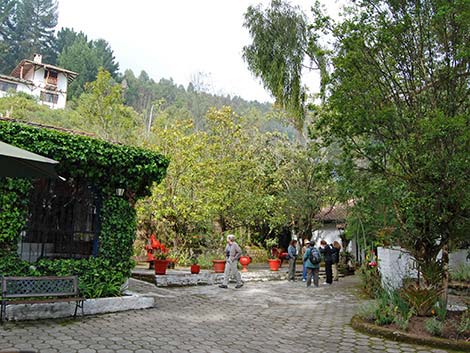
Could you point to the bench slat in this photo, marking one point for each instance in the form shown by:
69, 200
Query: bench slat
51, 289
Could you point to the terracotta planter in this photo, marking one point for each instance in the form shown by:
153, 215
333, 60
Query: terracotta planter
244, 261
274, 264
160, 266
195, 269
219, 266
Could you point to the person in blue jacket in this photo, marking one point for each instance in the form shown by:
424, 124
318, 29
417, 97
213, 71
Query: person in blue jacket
313, 267
292, 257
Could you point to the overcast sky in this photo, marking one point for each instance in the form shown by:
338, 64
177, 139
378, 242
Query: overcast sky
175, 38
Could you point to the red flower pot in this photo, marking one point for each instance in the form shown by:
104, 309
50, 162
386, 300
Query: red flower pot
195, 269
244, 261
274, 264
219, 266
160, 266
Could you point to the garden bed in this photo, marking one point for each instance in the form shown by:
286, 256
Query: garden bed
417, 333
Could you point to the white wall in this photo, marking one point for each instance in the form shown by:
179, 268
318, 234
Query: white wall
395, 265
329, 232
37, 77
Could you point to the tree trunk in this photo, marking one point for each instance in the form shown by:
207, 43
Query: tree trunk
445, 273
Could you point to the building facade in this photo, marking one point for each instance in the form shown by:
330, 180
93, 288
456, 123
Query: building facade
46, 82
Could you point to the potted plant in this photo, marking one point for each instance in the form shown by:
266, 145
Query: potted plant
273, 254
245, 261
219, 266
195, 267
160, 258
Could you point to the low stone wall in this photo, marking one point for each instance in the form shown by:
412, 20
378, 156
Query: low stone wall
90, 307
179, 278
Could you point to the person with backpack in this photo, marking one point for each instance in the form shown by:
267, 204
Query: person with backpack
336, 246
327, 252
312, 263
292, 258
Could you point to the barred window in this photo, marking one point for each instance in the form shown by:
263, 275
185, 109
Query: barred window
49, 97
63, 221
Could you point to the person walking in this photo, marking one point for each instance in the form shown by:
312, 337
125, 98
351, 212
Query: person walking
336, 247
292, 258
312, 263
232, 255
327, 252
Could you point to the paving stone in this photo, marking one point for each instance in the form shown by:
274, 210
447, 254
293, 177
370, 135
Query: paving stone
263, 317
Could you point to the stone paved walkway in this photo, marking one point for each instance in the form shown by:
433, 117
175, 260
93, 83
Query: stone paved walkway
271, 317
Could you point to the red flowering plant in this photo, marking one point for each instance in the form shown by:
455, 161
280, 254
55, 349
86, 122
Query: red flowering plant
156, 250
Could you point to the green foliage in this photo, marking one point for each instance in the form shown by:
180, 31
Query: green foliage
26, 27
280, 40
390, 110
13, 211
205, 259
370, 280
421, 299
440, 309
231, 177
11, 265
461, 273
98, 277
102, 111
434, 326
117, 231
388, 307
26, 108
102, 163
385, 313
77, 53
464, 324
383, 113
107, 166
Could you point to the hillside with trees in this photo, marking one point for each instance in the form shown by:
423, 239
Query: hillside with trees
238, 166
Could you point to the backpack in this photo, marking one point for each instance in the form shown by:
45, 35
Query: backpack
314, 257
334, 254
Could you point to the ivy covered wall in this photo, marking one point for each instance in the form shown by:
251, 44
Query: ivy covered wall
105, 165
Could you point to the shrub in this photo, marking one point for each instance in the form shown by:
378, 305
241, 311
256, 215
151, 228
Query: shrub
461, 273
368, 311
370, 280
98, 277
421, 299
12, 265
434, 326
464, 325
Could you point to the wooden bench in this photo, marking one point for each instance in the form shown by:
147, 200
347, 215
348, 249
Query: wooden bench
37, 290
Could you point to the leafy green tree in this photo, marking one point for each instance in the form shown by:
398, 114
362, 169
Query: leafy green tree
103, 112
397, 105
66, 37
35, 22
105, 56
85, 57
307, 184
7, 8
79, 57
279, 42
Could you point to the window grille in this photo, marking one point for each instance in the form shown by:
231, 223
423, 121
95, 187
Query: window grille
63, 221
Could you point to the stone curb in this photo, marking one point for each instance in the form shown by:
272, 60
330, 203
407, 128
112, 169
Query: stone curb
365, 327
22, 312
